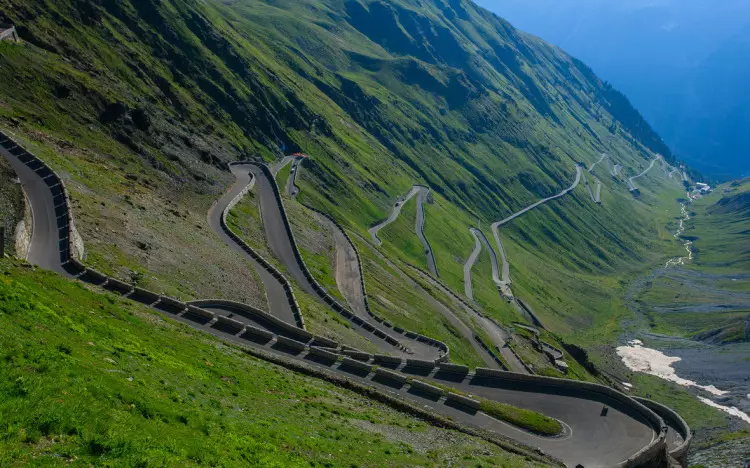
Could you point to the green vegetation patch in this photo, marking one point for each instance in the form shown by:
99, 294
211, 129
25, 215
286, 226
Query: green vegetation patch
316, 244
530, 420
400, 239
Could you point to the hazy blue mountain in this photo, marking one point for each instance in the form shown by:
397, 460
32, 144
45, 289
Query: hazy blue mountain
683, 63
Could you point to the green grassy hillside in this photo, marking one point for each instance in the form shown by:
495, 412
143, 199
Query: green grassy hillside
139, 104
720, 227
91, 378
707, 298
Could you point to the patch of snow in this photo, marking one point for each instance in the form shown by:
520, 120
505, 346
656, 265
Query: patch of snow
727, 409
654, 362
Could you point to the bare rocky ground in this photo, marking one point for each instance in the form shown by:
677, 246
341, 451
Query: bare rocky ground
11, 204
700, 317
735, 453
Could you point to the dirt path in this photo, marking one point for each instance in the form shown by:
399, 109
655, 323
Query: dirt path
348, 278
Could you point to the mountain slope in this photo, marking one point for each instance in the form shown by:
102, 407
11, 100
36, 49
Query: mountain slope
682, 63
140, 104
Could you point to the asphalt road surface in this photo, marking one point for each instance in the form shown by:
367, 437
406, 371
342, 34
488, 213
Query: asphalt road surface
590, 190
495, 226
591, 439
282, 247
278, 303
631, 184
393, 216
480, 239
422, 193
44, 250
291, 184
468, 288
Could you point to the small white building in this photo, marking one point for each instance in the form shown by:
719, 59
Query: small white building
703, 188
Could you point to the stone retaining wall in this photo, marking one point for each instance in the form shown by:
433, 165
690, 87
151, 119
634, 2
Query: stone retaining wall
347, 361
358, 355
198, 312
8, 33
385, 359
453, 368
389, 374
259, 332
421, 363
324, 353
668, 414
425, 387
294, 344
229, 322
298, 333
642, 457
491, 352
464, 401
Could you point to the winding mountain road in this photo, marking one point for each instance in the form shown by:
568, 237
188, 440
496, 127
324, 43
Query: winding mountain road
395, 212
597, 198
631, 184
506, 281
422, 193
479, 240
419, 229
279, 238
589, 189
347, 272
592, 438
291, 184
350, 282
468, 287
44, 249
278, 303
